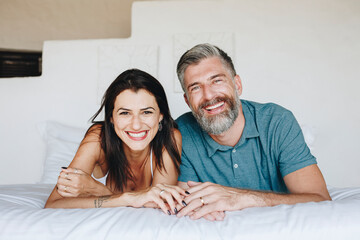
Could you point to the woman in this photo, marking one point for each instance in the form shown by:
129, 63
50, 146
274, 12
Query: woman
137, 147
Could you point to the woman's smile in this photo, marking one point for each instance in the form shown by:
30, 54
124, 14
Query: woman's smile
137, 136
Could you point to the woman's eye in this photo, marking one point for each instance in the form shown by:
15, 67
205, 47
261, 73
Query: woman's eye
124, 113
148, 112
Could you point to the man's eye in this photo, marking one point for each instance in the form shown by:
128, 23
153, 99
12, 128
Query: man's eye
217, 80
194, 88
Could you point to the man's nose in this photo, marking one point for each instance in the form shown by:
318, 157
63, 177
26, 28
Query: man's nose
208, 92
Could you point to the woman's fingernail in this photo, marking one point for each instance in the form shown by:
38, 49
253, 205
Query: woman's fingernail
187, 192
169, 212
64, 167
184, 203
175, 211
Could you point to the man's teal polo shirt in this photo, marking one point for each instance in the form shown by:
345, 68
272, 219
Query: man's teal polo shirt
271, 146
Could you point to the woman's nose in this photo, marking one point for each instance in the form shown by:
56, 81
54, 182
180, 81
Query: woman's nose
136, 123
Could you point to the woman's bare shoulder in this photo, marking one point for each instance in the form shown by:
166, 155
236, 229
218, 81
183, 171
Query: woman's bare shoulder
91, 144
90, 151
177, 134
93, 133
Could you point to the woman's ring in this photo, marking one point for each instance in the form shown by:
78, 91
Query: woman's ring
202, 201
76, 171
162, 191
66, 176
65, 188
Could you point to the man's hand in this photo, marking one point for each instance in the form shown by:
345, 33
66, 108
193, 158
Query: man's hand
305, 185
215, 216
210, 200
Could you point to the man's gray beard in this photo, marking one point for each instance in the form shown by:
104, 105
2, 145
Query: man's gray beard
221, 122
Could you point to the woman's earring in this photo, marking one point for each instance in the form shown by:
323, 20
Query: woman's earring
160, 126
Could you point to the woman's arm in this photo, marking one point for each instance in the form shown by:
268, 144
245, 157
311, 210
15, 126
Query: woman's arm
168, 176
127, 199
73, 182
156, 195
76, 181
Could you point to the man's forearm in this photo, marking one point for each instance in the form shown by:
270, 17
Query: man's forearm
205, 198
250, 198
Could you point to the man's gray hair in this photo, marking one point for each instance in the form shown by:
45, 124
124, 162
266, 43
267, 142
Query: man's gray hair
198, 53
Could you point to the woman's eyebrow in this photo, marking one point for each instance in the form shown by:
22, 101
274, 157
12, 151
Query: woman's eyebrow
147, 108
123, 109
142, 109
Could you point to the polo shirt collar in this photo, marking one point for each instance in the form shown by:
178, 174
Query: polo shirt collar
250, 131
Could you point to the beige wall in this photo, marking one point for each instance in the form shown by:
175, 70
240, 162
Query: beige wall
25, 24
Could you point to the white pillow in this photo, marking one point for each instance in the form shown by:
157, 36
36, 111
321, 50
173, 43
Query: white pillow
62, 142
309, 135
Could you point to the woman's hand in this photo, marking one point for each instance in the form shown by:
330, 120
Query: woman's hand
167, 197
74, 182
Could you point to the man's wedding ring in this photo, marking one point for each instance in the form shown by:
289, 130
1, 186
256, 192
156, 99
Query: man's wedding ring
162, 191
202, 201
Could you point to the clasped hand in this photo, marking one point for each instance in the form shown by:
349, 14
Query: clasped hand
74, 182
209, 200
205, 200
168, 198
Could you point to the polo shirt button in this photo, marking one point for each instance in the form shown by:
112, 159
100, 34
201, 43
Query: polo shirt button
236, 166
234, 151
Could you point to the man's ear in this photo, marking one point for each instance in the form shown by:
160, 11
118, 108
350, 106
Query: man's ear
186, 99
238, 84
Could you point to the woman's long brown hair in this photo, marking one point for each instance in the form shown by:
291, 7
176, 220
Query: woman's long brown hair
119, 169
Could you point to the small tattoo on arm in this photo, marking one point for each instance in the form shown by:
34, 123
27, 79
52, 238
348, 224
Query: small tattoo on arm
99, 202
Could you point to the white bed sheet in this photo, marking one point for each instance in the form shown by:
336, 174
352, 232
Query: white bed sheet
22, 217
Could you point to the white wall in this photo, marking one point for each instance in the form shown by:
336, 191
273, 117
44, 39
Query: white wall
303, 55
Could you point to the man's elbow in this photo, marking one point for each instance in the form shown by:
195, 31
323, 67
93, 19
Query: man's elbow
322, 197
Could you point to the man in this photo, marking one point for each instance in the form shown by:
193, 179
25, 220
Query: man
236, 153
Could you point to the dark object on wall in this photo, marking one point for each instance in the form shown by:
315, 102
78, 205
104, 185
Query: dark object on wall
20, 63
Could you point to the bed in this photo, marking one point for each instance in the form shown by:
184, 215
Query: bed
22, 215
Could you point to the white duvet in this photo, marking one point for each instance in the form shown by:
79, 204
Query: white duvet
22, 217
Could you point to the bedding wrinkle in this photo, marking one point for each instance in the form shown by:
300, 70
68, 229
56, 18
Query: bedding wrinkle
21, 214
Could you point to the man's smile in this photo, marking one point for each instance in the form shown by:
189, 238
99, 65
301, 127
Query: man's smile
214, 106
